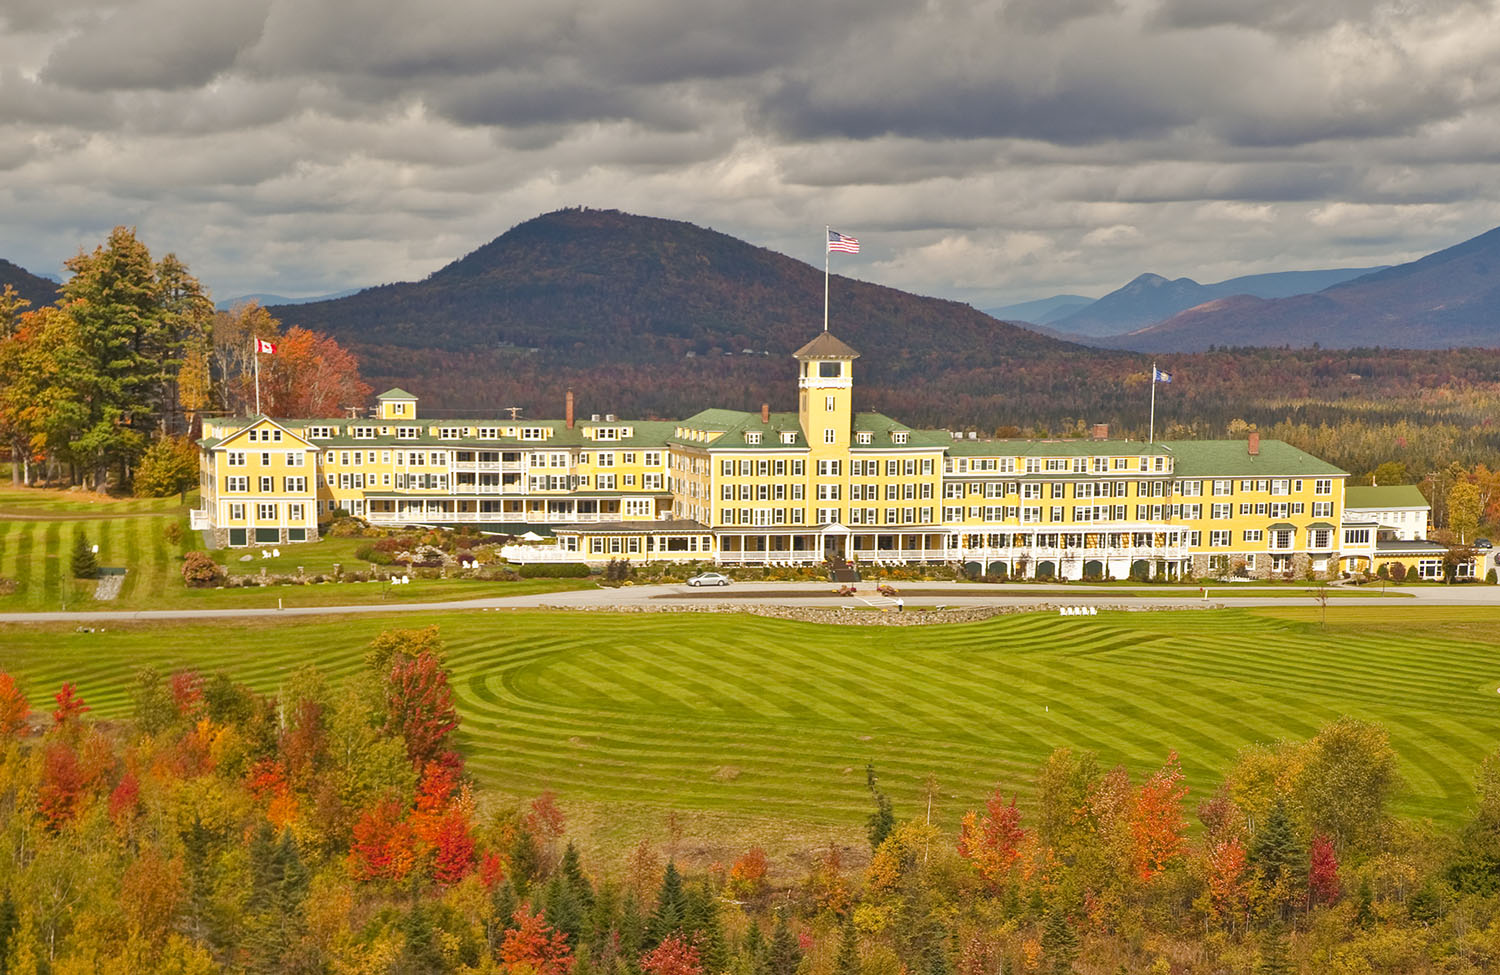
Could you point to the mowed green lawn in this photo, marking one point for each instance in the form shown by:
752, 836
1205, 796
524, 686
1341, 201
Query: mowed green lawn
734, 714
38, 529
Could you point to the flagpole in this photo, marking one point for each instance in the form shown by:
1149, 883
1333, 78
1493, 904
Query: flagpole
1151, 437
826, 231
256, 346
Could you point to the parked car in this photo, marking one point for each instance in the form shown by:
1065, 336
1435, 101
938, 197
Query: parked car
1483, 543
709, 579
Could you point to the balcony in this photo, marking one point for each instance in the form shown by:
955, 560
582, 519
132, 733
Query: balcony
199, 520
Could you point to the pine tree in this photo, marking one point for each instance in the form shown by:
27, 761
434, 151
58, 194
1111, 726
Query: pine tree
785, 954
847, 962
701, 924
571, 868
503, 903
562, 910
883, 819
10, 923
525, 860
632, 928
671, 908
1273, 960
1059, 942
84, 563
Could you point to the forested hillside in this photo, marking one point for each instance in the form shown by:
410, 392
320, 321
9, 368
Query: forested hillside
603, 286
37, 290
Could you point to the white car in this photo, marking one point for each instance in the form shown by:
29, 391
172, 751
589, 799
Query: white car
709, 579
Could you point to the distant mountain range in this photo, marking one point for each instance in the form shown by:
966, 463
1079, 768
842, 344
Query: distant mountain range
1042, 311
1151, 298
260, 298
1445, 300
37, 290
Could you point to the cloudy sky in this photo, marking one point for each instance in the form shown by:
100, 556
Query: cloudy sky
989, 150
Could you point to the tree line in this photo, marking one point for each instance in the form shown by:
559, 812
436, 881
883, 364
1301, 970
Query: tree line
104, 387
332, 827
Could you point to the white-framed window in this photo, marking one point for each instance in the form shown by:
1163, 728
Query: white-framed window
533, 433
265, 511
235, 458
863, 436
1323, 485
788, 436
1219, 538
606, 459
830, 435
899, 436
1253, 535
408, 433
830, 403
1322, 509
1223, 488
605, 482
295, 512
295, 485
1222, 511
237, 511
295, 458
267, 484
752, 436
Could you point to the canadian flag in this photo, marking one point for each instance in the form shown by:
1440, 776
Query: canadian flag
261, 345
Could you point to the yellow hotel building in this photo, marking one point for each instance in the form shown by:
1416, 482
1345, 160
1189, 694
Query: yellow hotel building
825, 483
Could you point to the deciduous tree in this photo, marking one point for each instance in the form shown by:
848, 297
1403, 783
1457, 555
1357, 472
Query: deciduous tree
992, 843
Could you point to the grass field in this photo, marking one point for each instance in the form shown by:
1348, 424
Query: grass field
38, 528
775, 719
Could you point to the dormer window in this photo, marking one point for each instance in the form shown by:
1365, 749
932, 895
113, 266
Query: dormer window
863, 436
752, 436
788, 437
898, 436
408, 433
364, 433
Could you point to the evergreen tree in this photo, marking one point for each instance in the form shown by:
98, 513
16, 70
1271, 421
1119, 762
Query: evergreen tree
785, 954
279, 882
671, 908
1273, 960
847, 962
883, 819
85, 564
503, 903
753, 950
562, 909
701, 924
1059, 942
1280, 861
420, 952
571, 869
632, 928
10, 923
525, 861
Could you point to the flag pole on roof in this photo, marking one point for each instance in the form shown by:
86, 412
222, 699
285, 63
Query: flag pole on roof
842, 243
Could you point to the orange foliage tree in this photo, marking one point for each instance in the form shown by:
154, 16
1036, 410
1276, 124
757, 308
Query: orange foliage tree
533, 948
1157, 824
992, 844
14, 708
310, 375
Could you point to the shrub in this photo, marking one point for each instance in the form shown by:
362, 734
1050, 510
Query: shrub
1398, 571
1384, 572
84, 563
554, 570
172, 533
618, 570
1490, 577
199, 570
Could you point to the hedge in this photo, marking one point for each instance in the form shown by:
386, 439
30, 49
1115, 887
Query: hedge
554, 570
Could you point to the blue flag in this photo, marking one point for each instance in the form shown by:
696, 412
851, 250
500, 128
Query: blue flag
1157, 376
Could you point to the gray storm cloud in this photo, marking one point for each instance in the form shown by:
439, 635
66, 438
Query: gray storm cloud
990, 150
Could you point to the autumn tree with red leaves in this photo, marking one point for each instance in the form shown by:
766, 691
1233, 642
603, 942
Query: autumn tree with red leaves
1158, 826
419, 708
533, 948
14, 708
383, 847
747, 876
675, 955
1322, 872
70, 706
992, 844
62, 787
1226, 862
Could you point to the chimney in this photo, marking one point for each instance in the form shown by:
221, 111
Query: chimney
765, 412
568, 409
1101, 431
1254, 443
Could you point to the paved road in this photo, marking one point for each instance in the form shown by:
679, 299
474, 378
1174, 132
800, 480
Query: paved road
812, 595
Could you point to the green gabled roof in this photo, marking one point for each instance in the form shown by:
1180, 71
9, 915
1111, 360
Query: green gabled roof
396, 393
734, 424
1388, 496
1052, 448
715, 419
1232, 458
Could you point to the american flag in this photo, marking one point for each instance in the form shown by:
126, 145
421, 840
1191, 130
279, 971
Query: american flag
842, 243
